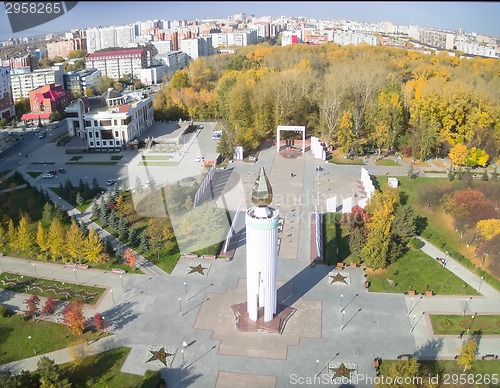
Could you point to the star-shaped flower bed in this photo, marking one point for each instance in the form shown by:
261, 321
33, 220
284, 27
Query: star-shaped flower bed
202, 269
343, 372
161, 356
339, 277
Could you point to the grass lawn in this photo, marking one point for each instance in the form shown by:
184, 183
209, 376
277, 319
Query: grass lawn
46, 285
103, 370
166, 157
415, 271
387, 162
482, 368
167, 258
342, 160
456, 324
75, 158
45, 337
157, 164
439, 226
34, 174
110, 163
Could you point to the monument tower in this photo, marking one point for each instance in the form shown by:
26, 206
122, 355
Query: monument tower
262, 251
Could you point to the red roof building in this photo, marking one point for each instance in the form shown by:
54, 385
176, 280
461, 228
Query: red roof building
46, 100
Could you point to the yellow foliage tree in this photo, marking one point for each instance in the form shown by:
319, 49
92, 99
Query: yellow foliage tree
487, 229
459, 154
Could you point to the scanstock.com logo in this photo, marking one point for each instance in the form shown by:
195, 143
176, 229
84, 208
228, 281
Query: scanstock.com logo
24, 15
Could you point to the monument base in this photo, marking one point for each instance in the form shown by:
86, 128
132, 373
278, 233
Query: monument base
275, 325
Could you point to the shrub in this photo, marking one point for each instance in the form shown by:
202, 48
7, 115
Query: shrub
415, 243
446, 323
4, 311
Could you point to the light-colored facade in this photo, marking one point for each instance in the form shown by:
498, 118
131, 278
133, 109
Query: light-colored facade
7, 109
64, 47
116, 64
197, 47
111, 121
154, 75
24, 81
175, 60
354, 38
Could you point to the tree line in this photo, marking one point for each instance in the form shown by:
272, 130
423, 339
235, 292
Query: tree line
353, 97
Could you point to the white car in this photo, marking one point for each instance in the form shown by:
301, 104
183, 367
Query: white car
48, 176
199, 158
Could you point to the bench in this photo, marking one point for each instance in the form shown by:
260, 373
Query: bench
72, 265
490, 357
208, 257
411, 292
117, 270
83, 266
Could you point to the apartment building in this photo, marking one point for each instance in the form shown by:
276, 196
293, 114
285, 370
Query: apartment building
197, 47
64, 47
116, 64
7, 110
76, 82
111, 121
21, 62
24, 80
436, 38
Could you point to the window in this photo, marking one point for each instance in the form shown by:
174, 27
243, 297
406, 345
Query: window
116, 134
105, 123
88, 123
91, 143
91, 134
104, 142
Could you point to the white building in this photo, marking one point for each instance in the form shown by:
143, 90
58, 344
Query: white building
175, 60
7, 109
111, 121
154, 75
262, 251
197, 47
116, 64
99, 38
345, 38
24, 81
161, 47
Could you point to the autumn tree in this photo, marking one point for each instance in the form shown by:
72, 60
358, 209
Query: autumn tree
25, 237
56, 239
477, 157
31, 306
75, 240
467, 354
406, 371
459, 154
488, 229
381, 210
93, 247
41, 240
73, 316
12, 235
100, 323
130, 257
49, 307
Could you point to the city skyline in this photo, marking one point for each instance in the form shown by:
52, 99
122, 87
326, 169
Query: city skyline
478, 17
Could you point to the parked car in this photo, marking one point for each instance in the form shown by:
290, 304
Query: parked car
53, 172
199, 158
110, 182
62, 170
48, 176
42, 135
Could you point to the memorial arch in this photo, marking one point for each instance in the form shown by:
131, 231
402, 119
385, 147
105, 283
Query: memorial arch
292, 128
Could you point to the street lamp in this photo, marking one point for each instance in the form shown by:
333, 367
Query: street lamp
112, 297
76, 279
185, 289
341, 296
317, 366
467, 303
34, 351
411, 304
471, 322
36, 272
180, 308
342, 324
121, 280
413, 323
480, 283
183, 359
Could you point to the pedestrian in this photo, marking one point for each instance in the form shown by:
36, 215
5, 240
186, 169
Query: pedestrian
291, 174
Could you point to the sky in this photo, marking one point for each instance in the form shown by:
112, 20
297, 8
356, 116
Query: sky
479, 17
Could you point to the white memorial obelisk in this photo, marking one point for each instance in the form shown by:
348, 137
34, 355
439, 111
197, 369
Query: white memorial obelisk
262, 251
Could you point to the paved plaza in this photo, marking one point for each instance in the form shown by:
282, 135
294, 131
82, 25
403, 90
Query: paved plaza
333, 323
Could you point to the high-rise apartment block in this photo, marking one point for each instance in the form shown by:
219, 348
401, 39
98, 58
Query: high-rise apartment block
7, 109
